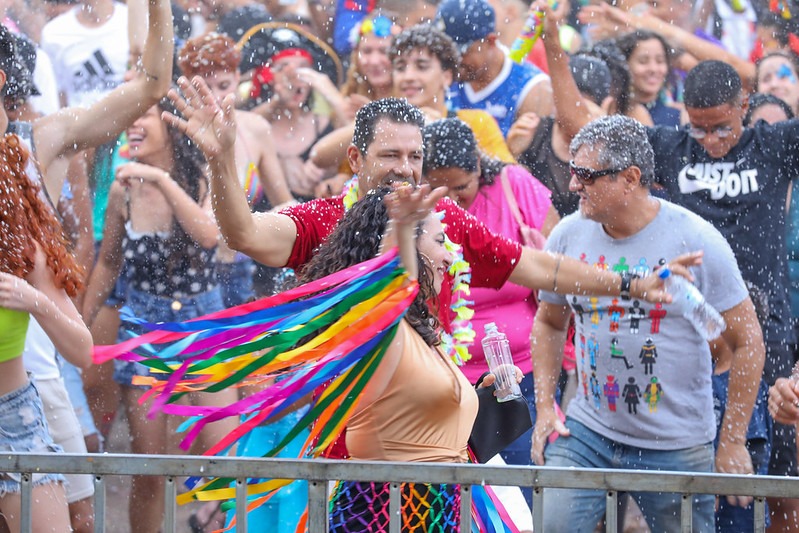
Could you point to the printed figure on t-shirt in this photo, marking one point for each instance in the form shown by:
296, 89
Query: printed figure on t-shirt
578, 309
596, 391
648, 356
636, 315
652, 394
596, 312
593, 350
616, 313
601, 264
632, 396
612, 392
584, 381
641, 269
657, 314
583, 348
621, 266
617, 353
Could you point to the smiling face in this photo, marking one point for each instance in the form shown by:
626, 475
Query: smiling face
648, 67
462, 185
394, 156
373, 61
419, 78
432, 249
147, 135
776, 75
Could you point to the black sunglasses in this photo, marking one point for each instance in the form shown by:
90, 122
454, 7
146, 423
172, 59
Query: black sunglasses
589, 175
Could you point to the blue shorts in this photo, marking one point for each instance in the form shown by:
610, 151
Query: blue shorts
580, 510
23, 428
159, 309
235, 281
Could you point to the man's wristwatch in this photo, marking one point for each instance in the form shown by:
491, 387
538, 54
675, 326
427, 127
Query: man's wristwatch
626, 283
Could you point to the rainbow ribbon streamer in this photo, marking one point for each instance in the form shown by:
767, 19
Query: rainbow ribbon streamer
326, 338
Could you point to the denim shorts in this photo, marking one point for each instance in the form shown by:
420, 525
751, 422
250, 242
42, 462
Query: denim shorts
580, 510
235, 281
23, 428
158, 309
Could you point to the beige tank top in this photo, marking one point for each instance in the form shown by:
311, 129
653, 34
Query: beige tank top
425, 414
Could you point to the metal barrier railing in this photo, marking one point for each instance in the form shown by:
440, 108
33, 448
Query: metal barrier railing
318, 472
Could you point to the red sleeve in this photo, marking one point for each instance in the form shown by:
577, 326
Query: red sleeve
315, 220
491, 256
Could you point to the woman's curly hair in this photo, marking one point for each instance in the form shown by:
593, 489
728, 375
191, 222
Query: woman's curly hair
25, 219
357, 239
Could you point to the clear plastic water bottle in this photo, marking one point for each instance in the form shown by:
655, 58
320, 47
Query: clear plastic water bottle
690, 302
500, 363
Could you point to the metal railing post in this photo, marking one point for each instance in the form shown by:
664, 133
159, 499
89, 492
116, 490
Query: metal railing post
686, 513
241, 505
170, 511
612, 512
394, 507
26, 505
317, 505
466, 506
99, 504
538, 509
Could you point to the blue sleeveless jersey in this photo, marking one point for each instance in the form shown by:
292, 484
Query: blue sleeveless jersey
502, 97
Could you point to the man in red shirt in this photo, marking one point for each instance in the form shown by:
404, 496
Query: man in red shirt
386, 148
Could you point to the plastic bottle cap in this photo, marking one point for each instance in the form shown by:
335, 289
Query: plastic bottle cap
489, 326
664, 273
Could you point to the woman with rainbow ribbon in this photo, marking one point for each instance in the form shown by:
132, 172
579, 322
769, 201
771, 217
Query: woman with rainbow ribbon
360, 338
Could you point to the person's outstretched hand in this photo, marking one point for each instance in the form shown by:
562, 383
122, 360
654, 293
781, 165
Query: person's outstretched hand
652, 288
408, 205
210, 124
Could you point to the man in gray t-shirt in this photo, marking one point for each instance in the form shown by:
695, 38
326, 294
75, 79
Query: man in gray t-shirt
644, 399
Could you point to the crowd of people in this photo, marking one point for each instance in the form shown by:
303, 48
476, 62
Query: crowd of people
224, 152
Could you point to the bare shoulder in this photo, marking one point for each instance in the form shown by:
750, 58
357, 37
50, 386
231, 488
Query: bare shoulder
40, 270
252, 124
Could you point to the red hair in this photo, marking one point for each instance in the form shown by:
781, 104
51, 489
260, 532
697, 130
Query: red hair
208, 53
25, 219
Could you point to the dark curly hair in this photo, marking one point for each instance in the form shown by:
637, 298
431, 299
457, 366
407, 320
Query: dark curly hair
188, 171
427, 37
450, 143
357, 239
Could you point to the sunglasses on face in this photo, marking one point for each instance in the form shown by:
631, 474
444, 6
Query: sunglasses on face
589, 175
700, 133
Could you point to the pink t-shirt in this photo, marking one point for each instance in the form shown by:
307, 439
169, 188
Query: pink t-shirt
511, 307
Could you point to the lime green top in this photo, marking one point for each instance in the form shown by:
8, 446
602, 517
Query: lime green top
13, 327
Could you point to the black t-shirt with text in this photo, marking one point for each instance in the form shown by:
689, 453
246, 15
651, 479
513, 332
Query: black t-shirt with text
743, 194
